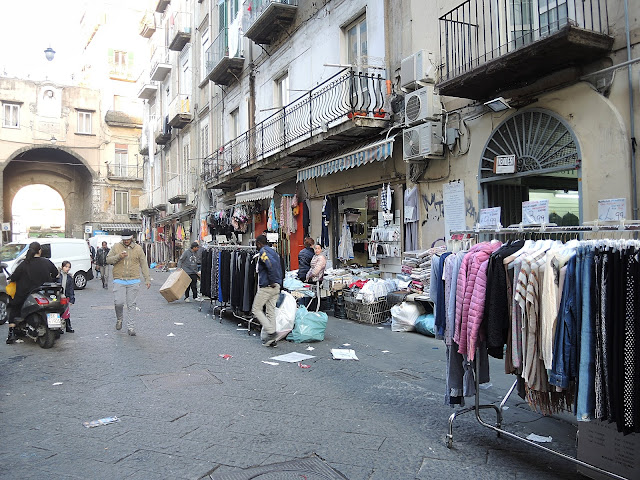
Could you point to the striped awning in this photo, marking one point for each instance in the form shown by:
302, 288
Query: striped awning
256, 194
375, 151
134, 227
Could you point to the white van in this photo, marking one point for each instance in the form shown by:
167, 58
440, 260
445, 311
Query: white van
57, 250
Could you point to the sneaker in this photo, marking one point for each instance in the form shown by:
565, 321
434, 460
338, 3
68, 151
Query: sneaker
271, 341
187, 300
11, 339
131, 332
118, 324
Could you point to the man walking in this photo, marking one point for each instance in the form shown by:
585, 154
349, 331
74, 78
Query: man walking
101, 262
128, 260
269, 281
189, 263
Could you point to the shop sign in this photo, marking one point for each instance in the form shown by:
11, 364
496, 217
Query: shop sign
504, 164
489, 217
535, 212
221, 239
612, 209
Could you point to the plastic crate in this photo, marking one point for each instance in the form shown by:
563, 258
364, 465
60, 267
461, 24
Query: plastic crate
371, 313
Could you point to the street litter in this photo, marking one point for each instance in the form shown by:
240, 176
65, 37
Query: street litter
385, 351
226, 356
538, 438
242, 329
343, 354
310, 348
57, 383
505, 408
293, 357
102, 421
302, 365
486, 386
380, 328
171, 335
19, 341
346, 344
178, 323
270, 363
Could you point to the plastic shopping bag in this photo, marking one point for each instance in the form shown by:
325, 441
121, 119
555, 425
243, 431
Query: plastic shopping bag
426, 325
310, 326
404, 316
285, 315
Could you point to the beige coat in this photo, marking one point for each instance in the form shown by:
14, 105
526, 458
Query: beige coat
129, 267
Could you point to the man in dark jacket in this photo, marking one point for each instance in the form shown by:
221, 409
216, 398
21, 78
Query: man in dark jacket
189, 263
269, 281
101, 263
304, 258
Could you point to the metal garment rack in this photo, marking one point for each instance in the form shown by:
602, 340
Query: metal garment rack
224, 306
622, 227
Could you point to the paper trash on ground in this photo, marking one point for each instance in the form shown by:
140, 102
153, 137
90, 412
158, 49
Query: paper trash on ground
343, 354
385, 351
311, 349
538, 438
171, 335
293, 357
57, 383
102, 421
270, 363
346, 344
178, 323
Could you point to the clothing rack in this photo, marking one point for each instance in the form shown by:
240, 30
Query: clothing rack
225, 306
594, 227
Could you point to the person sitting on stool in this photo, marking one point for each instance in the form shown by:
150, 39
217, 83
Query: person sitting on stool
316, 268
304, 258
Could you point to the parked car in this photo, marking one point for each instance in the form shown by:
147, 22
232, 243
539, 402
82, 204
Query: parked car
57, 250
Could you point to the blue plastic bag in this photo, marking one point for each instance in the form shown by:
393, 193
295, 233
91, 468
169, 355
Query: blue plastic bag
425, 324
309, 327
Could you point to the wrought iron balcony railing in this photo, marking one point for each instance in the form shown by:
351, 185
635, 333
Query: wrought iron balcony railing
117, 170
478, 31
266, 18
226, 46
345, 96
178, 30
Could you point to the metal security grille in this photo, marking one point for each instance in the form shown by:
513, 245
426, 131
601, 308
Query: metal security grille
541, 142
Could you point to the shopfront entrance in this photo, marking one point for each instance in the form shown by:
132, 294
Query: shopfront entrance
546, 166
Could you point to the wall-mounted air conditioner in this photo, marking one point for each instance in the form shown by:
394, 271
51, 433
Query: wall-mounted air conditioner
416, 70
421, 105
422, 141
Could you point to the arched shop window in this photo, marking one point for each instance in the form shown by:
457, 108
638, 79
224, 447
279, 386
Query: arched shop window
547, 165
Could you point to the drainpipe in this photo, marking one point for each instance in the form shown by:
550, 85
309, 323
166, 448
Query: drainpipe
632, 125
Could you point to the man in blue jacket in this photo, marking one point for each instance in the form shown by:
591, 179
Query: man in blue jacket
269, 281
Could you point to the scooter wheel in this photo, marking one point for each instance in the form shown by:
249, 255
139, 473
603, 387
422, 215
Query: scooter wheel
47, 340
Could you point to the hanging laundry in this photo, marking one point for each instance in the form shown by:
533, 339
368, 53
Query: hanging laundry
345, 247
326, 215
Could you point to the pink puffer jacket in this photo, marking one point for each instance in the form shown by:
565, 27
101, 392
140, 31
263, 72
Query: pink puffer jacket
461, 285
474, 297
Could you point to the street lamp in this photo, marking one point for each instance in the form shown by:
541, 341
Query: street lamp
49, 53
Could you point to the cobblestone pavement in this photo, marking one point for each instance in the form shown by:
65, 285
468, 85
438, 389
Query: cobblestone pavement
187, 413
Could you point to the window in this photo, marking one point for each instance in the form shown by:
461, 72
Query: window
121, 161
357, 42
84, 122
204, 139
122, 202
282, 91
11, 115
206, 41
235, 123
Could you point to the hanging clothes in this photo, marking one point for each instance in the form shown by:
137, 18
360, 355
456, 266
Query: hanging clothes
411, 219
306, 220
326, 216
345, 246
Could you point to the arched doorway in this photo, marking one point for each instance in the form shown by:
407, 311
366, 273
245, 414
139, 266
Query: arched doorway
547, 167
37, 211
59, 169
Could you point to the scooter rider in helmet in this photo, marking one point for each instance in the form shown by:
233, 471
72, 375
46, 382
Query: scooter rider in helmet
31, 273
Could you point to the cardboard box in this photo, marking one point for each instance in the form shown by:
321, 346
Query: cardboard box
175, 286
601, 445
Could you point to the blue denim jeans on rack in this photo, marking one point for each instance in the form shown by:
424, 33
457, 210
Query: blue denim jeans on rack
586, 371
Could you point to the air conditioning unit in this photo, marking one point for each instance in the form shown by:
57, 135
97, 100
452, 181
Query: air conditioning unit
422, 141
421, 105
417, 69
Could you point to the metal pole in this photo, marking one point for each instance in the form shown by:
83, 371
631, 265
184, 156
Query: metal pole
632, 125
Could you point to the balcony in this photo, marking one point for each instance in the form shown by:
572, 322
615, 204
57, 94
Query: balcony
146, 207
162, 5
177, 188
347, 108
122, 71
224, 58
147, 25
160, 64
486, 49
180, 111
143, 144
268, 18
123, 172
178, 30
147, 90
163, 132
159, 199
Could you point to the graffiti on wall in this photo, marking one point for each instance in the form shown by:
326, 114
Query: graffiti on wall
434, 208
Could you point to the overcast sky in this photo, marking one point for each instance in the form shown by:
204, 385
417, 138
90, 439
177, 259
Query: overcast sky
29, 27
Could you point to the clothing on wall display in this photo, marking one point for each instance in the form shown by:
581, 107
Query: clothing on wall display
411, 218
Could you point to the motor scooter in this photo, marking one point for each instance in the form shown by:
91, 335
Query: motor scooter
7, 291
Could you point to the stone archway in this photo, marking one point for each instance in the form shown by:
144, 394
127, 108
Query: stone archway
58, 168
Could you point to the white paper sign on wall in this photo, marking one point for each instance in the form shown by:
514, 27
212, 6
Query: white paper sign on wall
612, 209
535, 212
6, 227
88, 229
272, 237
